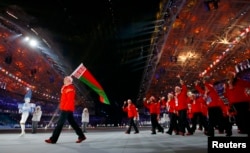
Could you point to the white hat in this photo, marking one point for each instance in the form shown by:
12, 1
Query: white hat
28, 95
69, 78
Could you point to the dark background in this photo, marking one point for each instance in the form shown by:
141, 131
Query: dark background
106, 36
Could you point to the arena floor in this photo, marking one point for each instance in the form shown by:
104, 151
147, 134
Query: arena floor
103, 140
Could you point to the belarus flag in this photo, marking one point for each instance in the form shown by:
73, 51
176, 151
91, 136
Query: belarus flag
85, 76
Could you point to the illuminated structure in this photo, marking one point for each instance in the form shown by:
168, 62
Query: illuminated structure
30, 58
196, 42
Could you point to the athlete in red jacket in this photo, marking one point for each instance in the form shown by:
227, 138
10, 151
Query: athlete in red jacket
154, 108
181, 101
215, 105
130, 108
238, 95
67, 107
172, 112
197, 102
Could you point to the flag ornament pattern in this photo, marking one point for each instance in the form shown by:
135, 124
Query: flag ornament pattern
85, 76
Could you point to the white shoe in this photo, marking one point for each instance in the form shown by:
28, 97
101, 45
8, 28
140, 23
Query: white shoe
22, 134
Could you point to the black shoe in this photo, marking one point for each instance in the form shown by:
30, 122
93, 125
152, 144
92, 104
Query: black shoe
209, 134
229, 134
162, 131
136, 132
153, 133
169, 133
127, 132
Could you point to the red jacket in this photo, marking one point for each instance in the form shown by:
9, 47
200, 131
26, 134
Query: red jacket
197, 104
238, 93
215, 98
154, 107
182, 99
163, 103
204, 109
190, 113
131, 110
171, 106
67, 102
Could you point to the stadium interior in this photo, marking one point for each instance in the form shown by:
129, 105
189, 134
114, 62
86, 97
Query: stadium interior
190, 38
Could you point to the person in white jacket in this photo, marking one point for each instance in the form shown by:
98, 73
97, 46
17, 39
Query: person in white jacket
25, 109
37, 114
85, 119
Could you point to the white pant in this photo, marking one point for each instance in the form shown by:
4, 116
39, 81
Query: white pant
24, 117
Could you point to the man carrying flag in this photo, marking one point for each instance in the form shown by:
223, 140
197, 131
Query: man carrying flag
85, 76
67, 107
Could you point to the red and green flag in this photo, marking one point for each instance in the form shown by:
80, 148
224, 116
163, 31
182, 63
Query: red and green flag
83, 74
